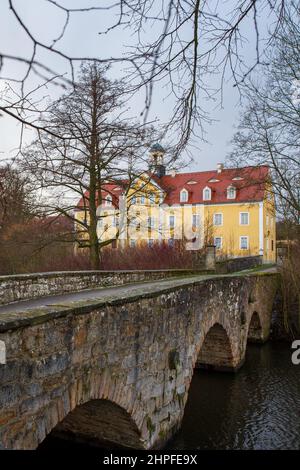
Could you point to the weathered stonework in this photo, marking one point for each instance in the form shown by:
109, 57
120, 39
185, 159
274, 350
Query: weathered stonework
31, 286
137, 354
238, 264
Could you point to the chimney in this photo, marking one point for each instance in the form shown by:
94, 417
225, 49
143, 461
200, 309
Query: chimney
173, 173
220, 167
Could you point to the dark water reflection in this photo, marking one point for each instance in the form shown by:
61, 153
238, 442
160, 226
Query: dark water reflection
258, 408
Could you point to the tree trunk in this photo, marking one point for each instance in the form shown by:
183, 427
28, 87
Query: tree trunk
94, 243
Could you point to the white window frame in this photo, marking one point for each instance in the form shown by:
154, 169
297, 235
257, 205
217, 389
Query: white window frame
142, 200
132, 243
247, 238
221, 214
184, 195
152, 199
197, 219
150, 242
172, 226
151, 221
267, 220
244, 212
231, 188
115, 221
108, 200
207, 188
221, 244
171, 242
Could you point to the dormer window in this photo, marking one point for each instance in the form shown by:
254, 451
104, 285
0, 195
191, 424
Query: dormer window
184, 195
213, 180
108, 200
206, 194
231, 192
237, 178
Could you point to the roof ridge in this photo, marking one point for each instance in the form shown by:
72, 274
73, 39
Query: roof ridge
215, 171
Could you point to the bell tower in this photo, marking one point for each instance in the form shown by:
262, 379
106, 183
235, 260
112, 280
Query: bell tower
156, 163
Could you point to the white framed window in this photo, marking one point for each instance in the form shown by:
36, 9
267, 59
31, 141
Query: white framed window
172, 221
171, 242
267, 244
184, 195
152, 198
231, 192
108, 200
267, 220
244, 218
218, 219
150, 242
132, 243
151, 222
195, 220
133, 200
115, 221
206, 194
218, 241
244, 243
102, 219
142, 200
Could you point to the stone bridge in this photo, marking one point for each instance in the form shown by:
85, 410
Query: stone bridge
114, 365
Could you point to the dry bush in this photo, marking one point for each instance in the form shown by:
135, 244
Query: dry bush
158, 256
35, 248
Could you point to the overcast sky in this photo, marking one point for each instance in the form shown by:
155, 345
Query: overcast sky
82, 39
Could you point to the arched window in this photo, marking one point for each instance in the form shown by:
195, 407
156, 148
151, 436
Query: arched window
184, 195
231, 192
206, 194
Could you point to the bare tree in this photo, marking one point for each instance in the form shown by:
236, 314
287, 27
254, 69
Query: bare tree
268, 133
16, 201
174, 44
92, 148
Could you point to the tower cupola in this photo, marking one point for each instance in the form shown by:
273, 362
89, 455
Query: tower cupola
156, 164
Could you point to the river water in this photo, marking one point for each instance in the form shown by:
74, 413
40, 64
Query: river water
256, 408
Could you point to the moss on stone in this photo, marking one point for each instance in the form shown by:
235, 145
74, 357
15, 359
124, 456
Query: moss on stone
150, 425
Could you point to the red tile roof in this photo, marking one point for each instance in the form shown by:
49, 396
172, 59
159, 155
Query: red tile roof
251, 188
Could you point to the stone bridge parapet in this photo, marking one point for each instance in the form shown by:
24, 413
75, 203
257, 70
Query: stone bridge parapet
30, 286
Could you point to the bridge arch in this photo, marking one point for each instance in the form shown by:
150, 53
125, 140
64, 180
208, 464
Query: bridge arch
255, 331
100, 423
216, 350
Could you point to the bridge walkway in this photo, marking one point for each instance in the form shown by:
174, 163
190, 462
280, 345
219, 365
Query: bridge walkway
9, 313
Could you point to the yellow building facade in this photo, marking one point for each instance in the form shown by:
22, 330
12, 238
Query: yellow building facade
233, 209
